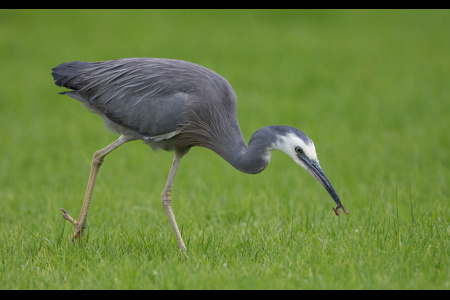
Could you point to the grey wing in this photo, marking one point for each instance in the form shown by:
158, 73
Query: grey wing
140, 94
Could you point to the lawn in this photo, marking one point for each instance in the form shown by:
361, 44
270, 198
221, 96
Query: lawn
370, 87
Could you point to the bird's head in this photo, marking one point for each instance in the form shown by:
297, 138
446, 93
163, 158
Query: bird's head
301, 149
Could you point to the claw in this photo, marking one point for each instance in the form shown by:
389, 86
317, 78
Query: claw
336, 210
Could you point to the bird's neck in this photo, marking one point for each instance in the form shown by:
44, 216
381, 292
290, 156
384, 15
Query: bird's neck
254, 158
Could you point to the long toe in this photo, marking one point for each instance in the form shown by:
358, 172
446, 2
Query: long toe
68, 218
78, 232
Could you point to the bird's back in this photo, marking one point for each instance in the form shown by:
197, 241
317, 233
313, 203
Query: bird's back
155, 97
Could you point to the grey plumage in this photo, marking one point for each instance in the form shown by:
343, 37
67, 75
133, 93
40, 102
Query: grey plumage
154, 97
177, 105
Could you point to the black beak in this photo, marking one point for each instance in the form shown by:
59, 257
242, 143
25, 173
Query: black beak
314, 168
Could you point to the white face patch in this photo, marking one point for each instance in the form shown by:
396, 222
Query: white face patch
289, 142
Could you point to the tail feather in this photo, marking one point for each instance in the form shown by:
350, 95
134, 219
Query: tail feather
67, 74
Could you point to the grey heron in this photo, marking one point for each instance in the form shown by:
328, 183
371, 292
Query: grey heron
175, 105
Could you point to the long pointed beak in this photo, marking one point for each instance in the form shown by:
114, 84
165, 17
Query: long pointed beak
314, 168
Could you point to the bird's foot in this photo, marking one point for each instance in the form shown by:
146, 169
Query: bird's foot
336, 210
78, 231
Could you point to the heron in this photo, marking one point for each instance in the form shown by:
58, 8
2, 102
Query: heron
175, 105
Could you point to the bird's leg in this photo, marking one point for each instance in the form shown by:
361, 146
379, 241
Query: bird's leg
97, 161
166, 200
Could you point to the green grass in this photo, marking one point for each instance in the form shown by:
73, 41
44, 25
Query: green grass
371, 88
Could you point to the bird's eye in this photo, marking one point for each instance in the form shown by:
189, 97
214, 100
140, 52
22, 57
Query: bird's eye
298, 150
